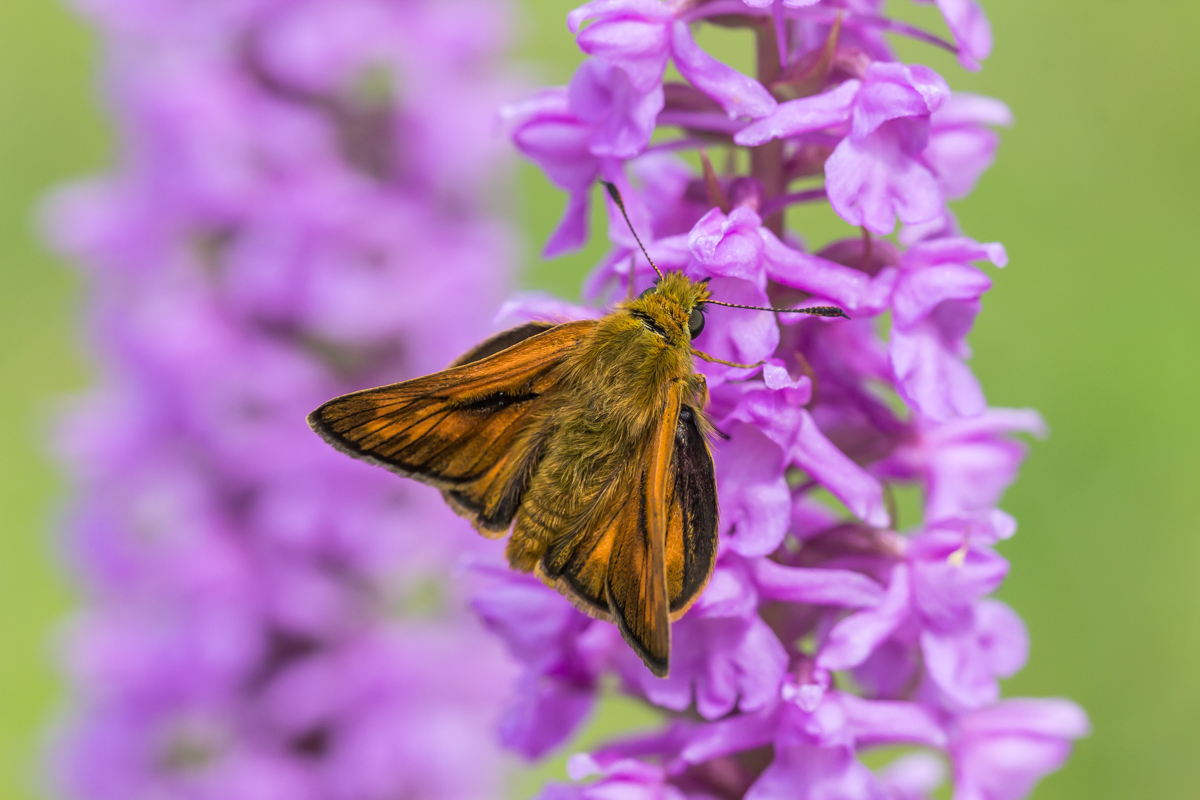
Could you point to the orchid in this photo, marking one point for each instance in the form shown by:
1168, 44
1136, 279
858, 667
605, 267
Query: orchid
260, 616
828, 628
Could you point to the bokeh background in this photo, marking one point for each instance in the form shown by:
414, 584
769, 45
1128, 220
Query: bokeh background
1096, 322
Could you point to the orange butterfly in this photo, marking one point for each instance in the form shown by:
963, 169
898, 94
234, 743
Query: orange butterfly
587, 439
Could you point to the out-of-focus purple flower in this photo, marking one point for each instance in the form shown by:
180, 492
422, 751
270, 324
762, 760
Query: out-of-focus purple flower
962, 144
966, 464
262, 617
971, 29
1002, 751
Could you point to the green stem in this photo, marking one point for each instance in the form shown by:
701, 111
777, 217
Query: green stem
766, 161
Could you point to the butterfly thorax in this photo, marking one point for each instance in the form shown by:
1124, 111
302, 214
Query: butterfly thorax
635, 354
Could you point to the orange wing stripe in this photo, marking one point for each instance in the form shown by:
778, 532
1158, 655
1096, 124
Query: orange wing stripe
637, 575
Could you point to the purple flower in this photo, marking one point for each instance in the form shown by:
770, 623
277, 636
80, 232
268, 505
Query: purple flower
876, 173
556, 139
776, 409
261, 617
971, 30
813, 580
964, 664
736, 245
639, 36
562, 652
627, 779
1001, 752
966, 463
609, 109
935, 302
815, 750
935, 604
814, 742
620, 119
729, 658
961, 145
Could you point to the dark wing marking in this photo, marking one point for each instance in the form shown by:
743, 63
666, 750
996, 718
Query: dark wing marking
465, 430
692, 518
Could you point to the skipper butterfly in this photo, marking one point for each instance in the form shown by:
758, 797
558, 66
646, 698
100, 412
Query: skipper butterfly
587, 439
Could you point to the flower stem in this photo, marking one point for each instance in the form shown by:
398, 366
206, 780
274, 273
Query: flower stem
766, 160
781, 202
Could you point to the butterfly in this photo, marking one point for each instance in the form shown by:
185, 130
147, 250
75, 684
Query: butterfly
587, 439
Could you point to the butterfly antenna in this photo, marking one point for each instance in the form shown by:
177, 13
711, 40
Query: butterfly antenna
615, 194
816, 311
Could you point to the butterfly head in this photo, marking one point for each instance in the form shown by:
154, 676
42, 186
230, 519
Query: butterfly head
675, 304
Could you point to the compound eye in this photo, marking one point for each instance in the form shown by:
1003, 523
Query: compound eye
646, 293
695, 322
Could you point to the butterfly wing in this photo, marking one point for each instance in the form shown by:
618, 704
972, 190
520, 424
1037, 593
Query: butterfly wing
691, 514
646, 551
502, 341
636, 583
466, 430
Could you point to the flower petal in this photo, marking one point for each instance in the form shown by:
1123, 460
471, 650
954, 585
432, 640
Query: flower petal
892, 90
832, 587
930, 377
887, 721
730, 245
802, 115
740, 95
918, 291
756, 504
571, 232
971, 29
852, 289
630, 34
855, 637
872, 180
834, 470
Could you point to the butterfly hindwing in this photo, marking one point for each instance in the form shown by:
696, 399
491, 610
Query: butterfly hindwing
636, 582
692, 514
610, 567
465, 430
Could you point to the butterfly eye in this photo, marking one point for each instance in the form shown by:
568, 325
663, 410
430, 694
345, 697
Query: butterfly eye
695, 322
646, 293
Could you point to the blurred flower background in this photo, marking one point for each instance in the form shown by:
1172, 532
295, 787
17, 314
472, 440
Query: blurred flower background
1095, 186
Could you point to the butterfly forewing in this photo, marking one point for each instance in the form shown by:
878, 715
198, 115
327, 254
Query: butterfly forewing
465, 430
502, 341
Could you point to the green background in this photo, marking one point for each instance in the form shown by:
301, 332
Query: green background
1095, 323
